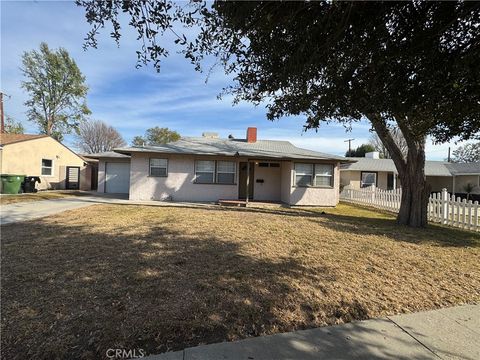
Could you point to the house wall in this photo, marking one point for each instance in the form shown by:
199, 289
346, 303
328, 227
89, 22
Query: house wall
179, 182
462, 180
25, 158
350, 178
286, 182
314, 196
437, 183
270, 189
102, 174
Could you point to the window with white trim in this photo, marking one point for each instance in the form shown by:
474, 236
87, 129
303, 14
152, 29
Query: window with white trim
323, 175
158, 167
47, 167
303, 174
204, 172
368, 179
225, 172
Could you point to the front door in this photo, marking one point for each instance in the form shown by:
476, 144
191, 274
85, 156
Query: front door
242, 181
73, 178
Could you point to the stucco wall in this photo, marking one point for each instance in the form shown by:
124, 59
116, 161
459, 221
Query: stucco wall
270, 189
350, 178
179, 183
25, 158
101, 171
286, 183
315, 196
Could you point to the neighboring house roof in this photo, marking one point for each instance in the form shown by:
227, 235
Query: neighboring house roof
267, 149
106, 155
464, 169
6, 139
432, 168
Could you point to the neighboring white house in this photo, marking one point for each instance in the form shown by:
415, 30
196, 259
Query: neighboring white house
213, 169
371, 170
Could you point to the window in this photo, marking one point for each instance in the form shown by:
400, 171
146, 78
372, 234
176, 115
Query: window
318, 175
215, 172
225, 172
323, 175
158, 167
303, 174
368, 179
205, 172
47, 167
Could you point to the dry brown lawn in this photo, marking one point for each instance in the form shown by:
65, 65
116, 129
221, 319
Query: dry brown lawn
6, 199
164, 278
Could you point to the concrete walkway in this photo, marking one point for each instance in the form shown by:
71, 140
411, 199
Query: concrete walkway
452, 333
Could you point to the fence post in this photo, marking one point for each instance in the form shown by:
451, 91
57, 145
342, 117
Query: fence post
444, 200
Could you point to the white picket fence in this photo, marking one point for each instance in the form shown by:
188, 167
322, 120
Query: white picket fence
443, 208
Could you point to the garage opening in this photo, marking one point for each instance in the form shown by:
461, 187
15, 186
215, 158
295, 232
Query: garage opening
117, 178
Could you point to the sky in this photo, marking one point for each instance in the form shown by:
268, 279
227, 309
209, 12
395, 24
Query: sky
133, 100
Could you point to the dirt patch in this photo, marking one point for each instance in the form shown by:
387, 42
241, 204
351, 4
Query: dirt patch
164, 278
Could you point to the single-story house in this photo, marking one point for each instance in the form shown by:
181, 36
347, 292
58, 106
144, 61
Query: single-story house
371, 170
40, 155
211, 169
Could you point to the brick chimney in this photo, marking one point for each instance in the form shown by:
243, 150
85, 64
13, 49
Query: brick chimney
252, 134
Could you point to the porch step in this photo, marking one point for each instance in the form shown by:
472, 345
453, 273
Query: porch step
239, 203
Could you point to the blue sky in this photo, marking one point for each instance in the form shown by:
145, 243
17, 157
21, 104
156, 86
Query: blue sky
133, 100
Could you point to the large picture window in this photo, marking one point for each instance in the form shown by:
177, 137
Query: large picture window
158, 167
317, 175
215, 172
47, 167
368, 179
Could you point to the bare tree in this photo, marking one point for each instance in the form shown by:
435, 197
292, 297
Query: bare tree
95, 136
397, 137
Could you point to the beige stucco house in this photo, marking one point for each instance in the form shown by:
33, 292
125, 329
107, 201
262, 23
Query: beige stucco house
40, 155
382, 173
211, 169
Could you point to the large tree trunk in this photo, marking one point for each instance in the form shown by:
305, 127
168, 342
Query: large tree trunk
415, 192
411, 171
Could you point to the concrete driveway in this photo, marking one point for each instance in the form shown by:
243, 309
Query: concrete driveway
24, 211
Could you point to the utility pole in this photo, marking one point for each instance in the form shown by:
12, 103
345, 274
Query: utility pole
349, 145
1, 115
449, 154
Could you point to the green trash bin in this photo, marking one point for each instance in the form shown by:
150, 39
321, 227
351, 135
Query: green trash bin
11, 184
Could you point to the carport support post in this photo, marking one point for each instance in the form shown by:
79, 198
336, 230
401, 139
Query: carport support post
248, 181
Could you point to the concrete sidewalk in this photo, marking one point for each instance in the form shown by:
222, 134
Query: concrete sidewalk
452, 333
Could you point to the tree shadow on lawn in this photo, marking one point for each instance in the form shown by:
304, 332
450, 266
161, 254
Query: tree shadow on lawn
370, 222
70, 292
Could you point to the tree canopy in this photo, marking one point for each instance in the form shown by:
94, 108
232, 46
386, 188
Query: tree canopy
12, 126
95, 136
467, 153
411, 65
360, 151
57, 91
156, 136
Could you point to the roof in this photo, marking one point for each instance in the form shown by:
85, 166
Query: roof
464, 168
6, 139
266, 149
432, 168
106, 154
